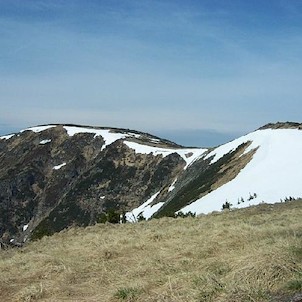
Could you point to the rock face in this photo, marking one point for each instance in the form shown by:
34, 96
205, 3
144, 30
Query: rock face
56, 176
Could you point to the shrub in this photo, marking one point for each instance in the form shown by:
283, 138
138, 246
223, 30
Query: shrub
183, 215
227, 205
111, 216
102, 218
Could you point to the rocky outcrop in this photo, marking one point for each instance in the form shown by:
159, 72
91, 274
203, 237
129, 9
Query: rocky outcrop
282, 125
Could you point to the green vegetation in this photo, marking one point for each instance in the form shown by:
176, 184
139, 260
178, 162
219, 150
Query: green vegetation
295, 285
111, 216
128, 293
60, 218
252, 254
184, 215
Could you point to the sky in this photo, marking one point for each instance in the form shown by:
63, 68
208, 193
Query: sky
198, 72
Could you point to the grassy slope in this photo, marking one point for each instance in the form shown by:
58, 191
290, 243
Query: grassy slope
252, 254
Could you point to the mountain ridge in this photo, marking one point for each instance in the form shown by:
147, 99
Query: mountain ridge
54, 176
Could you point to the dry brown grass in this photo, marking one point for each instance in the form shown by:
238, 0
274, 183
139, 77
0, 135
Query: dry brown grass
253, 254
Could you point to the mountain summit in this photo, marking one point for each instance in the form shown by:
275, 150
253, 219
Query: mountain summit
56, 176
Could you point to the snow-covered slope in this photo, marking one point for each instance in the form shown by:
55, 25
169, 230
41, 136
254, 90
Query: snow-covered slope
274, 173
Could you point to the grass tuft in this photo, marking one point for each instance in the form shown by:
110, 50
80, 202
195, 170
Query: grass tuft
294, 285
127, 293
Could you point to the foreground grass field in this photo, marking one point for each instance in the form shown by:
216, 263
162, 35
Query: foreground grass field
253, 254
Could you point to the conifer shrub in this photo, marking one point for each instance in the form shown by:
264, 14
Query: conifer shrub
184, 215
102, 218
111, 216
41, 231
226, 206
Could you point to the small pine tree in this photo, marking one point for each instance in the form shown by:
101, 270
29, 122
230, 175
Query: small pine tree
226, 205
113, 216
102, 218
250, 197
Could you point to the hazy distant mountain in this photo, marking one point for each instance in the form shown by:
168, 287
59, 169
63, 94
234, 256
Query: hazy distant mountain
55, 176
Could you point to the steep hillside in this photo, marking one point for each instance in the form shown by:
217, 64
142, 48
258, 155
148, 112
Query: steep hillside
252, 254
263, 166
273, 173
55, 176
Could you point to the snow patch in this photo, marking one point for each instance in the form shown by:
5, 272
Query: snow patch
155, 140
109, 137
102, 197
172, 187
6, 137
59, 166
150, 210
191, 155
188, 154
145, 209
25, 227
45, 141
38, 128
133, 135
274, 172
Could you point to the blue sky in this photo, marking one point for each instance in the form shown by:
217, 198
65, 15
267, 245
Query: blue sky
198, 72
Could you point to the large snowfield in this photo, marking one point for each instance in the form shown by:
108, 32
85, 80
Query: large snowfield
274, 173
